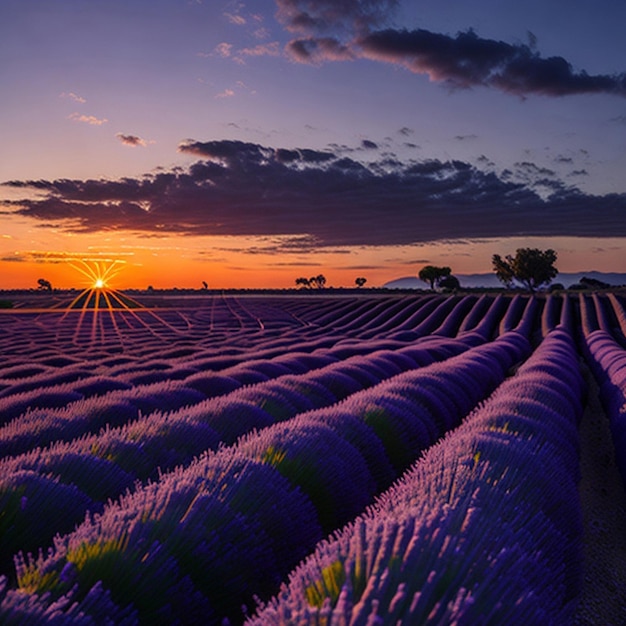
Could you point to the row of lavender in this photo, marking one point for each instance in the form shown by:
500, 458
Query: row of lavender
113, 387
53, 469
48, 489
38, 358
604, 344
112, 391
89, 402
204, 540
482, 316
486, 528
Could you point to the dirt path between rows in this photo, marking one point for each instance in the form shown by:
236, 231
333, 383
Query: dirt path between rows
603, 600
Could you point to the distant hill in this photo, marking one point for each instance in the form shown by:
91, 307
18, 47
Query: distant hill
490, 280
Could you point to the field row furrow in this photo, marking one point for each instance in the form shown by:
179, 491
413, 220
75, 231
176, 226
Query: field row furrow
607, 357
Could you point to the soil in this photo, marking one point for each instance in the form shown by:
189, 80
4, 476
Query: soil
603, 497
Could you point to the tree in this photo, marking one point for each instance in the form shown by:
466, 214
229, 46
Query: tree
594, 283
449, 283
205, 285
318, 281
44, 284
304, 282
530, 266
432, 274
360, 281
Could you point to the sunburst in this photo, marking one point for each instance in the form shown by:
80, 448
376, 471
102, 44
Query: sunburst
101, 298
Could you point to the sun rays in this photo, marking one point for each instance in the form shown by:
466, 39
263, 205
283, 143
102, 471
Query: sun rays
103, 310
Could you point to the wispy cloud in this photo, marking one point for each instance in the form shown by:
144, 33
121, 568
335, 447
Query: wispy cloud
265, 49
237, 19
87, 119
72, 96
227, 93
224, 49
59, 256
323, 198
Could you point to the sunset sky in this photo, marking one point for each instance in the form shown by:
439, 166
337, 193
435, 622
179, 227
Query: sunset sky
248, 143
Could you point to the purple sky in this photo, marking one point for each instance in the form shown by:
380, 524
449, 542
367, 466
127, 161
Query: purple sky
252, 142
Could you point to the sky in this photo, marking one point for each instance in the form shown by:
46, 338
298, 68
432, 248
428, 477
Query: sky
249, 143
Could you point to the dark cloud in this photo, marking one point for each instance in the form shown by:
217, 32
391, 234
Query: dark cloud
530, 169
468, 60
369, 145
230, 152
321, 199
298, 264
345, 30
131, 140
410, 261
317, 50
323, 16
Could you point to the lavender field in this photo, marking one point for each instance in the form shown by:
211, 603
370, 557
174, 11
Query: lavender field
302, 459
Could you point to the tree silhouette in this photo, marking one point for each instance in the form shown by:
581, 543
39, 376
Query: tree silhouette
594, 283
449, 283
304, 282
432, 274
318, 281
205, 285
530, 266
360, 281
44, 284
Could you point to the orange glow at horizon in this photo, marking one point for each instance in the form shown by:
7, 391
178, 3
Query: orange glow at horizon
130, 261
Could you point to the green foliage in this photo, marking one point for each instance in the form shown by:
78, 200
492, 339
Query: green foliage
530, 266
329, 586
432, 274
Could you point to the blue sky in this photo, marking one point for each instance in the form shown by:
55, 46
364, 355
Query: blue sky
255, 141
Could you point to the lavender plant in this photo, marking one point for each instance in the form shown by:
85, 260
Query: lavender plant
486, 528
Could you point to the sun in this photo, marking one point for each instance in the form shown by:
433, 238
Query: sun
100, 295
98, 273
108, 309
